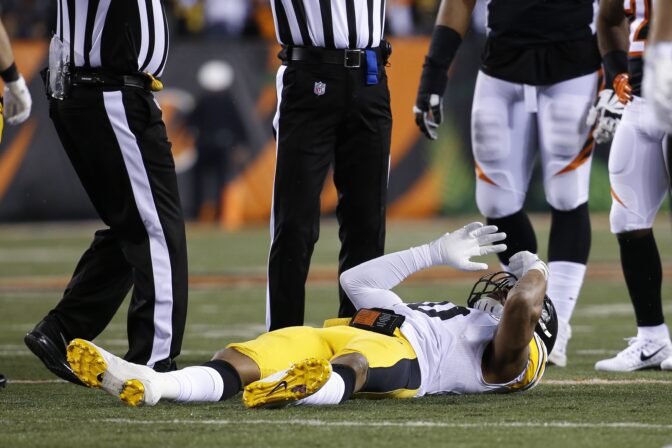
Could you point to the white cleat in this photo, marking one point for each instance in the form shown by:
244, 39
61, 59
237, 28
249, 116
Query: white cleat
558, 356
640, 354
97, 368
667, 364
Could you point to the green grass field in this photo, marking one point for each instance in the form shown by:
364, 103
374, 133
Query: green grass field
575, 406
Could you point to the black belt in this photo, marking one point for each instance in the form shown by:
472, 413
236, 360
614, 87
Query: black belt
98, 79
345, 57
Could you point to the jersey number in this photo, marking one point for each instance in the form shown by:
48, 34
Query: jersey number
428, 309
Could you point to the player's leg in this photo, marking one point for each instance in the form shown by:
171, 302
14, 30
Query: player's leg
503, 134
305, 138
639, 183
361, 168
566, 150
371, 365
102, 277
230, 369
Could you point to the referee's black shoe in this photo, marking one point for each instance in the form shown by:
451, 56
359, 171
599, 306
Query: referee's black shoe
48, 343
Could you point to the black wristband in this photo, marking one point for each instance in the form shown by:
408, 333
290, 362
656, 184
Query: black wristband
615, 62
444, 45
10, 74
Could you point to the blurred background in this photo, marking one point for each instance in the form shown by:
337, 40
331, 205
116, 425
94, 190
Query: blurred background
218, 106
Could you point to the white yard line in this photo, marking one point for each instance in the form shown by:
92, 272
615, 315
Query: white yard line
397, 424
582, 382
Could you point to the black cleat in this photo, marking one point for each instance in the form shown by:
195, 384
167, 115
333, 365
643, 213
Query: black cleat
49, 344
3, 381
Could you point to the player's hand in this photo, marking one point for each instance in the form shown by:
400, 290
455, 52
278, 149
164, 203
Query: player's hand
473, 240
428, 112
17, 101
605, 115
521, 262
657, 84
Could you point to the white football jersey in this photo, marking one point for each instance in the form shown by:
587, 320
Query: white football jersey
449, 341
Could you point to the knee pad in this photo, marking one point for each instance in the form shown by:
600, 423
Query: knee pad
496, 201
490, 132
563, 129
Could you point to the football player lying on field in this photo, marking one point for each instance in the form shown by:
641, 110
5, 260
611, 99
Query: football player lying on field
499, 343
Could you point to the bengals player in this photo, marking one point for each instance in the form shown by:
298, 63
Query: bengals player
537, 82
639, 183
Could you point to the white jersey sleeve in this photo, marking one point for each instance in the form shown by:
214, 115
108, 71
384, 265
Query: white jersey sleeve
368, 285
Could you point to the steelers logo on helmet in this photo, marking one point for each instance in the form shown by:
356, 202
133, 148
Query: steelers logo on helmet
489, 294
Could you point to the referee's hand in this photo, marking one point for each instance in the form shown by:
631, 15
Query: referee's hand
428, 112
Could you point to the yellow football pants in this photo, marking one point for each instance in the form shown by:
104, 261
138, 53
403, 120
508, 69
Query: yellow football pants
393, 367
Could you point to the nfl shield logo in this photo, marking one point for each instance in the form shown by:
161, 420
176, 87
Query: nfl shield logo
319, 88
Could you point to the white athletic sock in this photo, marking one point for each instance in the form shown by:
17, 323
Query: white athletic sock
331, 393
564, 285
656, 333
197, 383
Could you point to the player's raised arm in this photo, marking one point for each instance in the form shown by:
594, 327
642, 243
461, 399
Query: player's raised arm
368, 285
452, 23
508, 354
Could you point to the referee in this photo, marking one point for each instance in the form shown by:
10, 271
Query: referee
333, 109
113, 133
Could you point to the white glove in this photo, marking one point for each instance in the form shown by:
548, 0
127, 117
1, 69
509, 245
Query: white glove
657, 84
17, 101
605, 114
456, 249
521, 262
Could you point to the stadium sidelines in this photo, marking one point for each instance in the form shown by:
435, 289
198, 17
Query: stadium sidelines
402, 424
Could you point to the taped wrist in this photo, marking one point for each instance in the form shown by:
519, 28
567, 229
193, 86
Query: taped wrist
10, 74
614, 62
444, 45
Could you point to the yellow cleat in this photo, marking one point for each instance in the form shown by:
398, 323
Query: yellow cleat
133, 393
284, 388
86, 362
134, 384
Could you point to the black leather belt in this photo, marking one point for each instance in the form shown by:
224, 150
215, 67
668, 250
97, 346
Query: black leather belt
97, 79
344, 57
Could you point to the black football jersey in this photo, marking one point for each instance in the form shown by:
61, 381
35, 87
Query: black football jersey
640, 14
540, 42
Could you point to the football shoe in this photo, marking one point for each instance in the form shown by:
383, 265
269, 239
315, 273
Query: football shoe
287, 387
640, 354
134, 384
558, 356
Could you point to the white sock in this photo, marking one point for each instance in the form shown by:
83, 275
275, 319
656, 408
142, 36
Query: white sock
655, 333
564, 285
331, 393
197, 383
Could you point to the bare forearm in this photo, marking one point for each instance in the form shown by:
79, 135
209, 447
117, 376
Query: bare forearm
6, 54
662, 22
612, 27
522, 311
456, 14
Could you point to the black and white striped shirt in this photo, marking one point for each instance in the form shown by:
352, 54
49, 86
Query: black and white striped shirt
329, 23
123, 36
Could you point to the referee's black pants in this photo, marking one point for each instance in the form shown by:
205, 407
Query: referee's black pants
348, 124
117, 143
